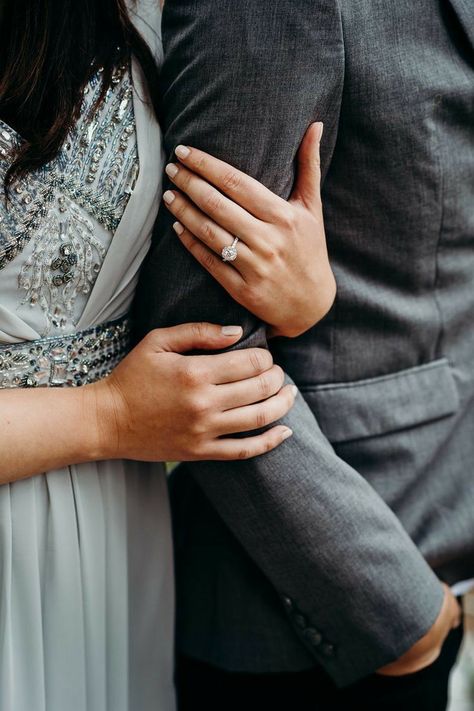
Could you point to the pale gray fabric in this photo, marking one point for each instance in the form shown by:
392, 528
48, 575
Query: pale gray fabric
311, 566
86, 565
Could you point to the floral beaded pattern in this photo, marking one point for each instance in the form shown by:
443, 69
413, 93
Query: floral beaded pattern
57, 207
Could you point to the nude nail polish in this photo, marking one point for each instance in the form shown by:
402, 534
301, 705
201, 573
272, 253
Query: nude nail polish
231, 330
171, 170
182, 151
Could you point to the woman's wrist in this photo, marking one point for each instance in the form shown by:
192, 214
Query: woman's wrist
59, 424
99, 420
306, 315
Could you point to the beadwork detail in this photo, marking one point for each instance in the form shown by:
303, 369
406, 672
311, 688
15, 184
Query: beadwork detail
65, 261
78, 359
56, 206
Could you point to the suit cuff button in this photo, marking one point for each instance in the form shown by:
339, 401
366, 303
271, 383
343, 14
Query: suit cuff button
328, 649
299, 621
288, 603
313, 636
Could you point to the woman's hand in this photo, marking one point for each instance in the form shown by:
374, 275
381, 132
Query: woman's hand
282, 272
160, 405
156, 405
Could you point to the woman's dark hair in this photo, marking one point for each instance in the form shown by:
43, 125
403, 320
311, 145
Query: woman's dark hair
49, 49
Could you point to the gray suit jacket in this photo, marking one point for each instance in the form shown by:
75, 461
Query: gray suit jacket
316, 552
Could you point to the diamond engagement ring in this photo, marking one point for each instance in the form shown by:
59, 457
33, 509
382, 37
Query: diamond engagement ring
229, 254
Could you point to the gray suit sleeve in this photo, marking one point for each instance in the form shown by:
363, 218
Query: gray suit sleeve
243, 80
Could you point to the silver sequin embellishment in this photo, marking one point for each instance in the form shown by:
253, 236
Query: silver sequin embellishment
55, 207
73, 360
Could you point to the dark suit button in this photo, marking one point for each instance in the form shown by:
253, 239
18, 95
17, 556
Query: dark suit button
313, 636
288, 603
328, 649
300, 621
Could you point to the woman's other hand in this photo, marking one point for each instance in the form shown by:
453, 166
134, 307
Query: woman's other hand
161, 405
282, 272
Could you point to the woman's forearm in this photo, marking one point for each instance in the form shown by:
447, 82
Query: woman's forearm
46, 428
156, 405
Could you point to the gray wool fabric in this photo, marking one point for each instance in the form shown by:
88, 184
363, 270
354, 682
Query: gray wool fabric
323, 551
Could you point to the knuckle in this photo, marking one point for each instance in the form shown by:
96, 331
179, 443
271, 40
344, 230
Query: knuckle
198, 329
260, 359
288, 217
271, 442
289, 400
151, 340
213, 201
292, 217
199, 447
188, 374
279, 375
280, 247
200, 164
272, 256
264, 385
315, 161
179, 208
199, 408
184, 179
231, 180
207, 232
263, 270
209, 261
195, 247
244, 453
273, 248
262, 418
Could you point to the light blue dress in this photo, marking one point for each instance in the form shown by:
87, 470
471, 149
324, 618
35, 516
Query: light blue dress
86, 573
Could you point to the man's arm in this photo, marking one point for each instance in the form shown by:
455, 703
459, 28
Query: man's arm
243, 80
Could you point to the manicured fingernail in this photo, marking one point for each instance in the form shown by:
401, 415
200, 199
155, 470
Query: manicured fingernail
171, 170
286, 433
182, 151
178, 228
168, 197
231, 331
320, 126
294, 390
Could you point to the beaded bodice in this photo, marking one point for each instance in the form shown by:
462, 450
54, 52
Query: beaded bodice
58, 223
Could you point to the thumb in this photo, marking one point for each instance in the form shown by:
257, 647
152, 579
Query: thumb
194, 336
308, 181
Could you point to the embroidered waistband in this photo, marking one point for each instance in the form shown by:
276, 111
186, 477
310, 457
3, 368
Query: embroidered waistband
71, 360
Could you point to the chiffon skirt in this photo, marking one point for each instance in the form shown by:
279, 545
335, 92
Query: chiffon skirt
86, 590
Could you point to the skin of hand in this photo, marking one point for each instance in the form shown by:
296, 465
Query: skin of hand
428, 648
161, 405
156, 405
282, 272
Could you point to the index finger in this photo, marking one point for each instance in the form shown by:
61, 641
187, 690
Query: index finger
240, 187
236, 365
